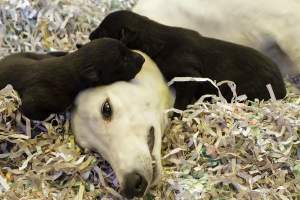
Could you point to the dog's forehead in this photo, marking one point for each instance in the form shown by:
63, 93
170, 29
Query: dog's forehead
90, 98
125, 97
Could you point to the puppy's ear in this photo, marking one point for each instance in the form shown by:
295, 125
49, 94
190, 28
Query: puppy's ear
128, 35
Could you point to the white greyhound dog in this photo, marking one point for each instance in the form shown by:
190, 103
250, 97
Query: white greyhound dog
124, 122
270, 26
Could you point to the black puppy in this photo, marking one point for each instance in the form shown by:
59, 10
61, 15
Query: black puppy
182, 52
48, 83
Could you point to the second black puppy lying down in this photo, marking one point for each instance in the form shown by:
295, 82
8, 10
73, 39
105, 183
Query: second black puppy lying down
182, 52
48, 83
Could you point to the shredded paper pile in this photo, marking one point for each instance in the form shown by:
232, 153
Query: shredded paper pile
218, 150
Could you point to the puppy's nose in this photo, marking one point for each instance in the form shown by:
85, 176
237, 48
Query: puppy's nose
139, 59
135, 185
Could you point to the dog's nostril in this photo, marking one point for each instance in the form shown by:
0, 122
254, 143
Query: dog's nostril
139, 183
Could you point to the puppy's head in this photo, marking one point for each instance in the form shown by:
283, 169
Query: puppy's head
124, 122
106, 60
117, 23
134, 30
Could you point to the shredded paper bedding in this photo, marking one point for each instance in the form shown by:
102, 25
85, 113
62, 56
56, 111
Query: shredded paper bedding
218, 150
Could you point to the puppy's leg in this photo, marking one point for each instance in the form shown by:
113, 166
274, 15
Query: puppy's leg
31, 107
183, 66
185, 94
30, 110
38, 103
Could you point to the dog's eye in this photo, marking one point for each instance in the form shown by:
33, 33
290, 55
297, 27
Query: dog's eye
106, 110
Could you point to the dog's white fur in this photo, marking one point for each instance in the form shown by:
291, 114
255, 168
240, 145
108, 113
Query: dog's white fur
256, 23
137, 105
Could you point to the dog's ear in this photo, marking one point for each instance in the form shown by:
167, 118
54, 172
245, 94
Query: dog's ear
128, 35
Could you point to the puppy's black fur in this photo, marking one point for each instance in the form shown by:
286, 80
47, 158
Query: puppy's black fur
48, 83
181, 52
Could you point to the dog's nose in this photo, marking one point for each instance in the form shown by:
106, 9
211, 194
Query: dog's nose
135, 185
